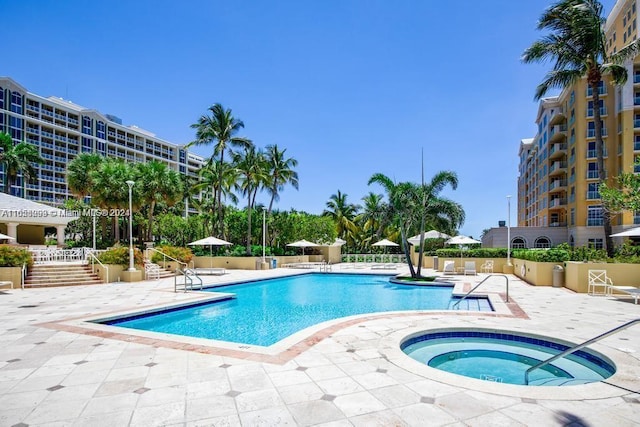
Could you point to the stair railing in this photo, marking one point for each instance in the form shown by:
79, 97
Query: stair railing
23, 275
93, 259
184, 265
188, 275
478, 285
578, 347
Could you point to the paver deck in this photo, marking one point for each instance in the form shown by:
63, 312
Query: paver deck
54, 371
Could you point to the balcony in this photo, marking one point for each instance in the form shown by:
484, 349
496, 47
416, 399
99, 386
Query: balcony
636, 123
557, 117
557, 203
593, 195
592, 154
602, 90
603, 111
558, 167
557, 150
592, 174
47, 113
557, 185
558, 224
558, 133
591, 133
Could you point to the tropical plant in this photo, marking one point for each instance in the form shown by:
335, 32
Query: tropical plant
79, 173
11, 256
156, 183
120, 256
219, 129
625, 197
372, 216
281, 172
181, 254
343, 214
576, 41
17, 159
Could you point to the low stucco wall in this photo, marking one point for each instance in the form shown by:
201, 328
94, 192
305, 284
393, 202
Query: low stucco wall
535, 273
114, 272
11, 274
249, 263
577, 274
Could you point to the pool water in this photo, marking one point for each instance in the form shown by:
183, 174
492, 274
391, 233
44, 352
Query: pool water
264, 312
506, 359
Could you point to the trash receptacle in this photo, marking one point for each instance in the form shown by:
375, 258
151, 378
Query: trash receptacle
274, 263
435, 263
558, 276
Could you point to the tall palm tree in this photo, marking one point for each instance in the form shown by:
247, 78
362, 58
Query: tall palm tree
254, 173
372, 215
17, 159
156, 182
221, 178
110, 188
79, 173
576, 41
219, 129
343, 215
281, 172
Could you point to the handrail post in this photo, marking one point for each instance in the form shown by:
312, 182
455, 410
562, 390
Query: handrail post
578, 347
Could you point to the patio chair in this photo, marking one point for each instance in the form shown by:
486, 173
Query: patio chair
621, 291
487, 266
599, 282
470, 268
449, 267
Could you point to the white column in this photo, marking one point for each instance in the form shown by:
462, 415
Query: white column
12, 231
60, 230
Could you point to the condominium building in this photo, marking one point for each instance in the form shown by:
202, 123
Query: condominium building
61, 130
558, 198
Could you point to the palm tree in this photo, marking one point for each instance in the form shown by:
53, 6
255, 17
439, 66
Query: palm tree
576, 41
219, 129
343, 215
110, 189
210, 176
17, 159
157, 182
79, 173
281, 172
254, 173
371, 217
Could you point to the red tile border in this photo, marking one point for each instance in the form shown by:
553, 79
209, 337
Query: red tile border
284, 356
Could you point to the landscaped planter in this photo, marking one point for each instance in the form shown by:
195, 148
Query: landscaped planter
114, 272
11, 274
534, 273
577, 274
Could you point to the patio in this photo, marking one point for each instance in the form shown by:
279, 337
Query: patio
343, 374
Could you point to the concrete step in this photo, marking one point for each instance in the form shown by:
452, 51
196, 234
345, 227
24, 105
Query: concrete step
61, 275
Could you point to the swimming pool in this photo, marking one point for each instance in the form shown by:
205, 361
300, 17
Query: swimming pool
267, 311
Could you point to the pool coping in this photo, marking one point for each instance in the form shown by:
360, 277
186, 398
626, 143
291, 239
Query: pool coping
278, 353
619, 384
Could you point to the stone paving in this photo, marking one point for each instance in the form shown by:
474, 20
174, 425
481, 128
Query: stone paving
56, 372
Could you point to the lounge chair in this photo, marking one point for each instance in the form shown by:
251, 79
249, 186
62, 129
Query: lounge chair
210, 271
599, 282
449, 267
624, 291
387, 266
487, 266
470, 268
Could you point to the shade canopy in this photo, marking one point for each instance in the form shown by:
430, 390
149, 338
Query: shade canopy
632, 232
338, 242
462, 240
5, 237
385, 242
302, 244
432, 234
209, 241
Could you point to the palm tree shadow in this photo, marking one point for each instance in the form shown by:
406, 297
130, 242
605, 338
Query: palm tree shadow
565, 418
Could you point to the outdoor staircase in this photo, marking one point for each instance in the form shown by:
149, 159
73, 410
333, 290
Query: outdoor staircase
60, 275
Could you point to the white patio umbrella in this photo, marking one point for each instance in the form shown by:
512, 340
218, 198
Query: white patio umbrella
302, 244
5, 237
211, 242
384, 243
432, 234
632, 232
461, 240
339, 242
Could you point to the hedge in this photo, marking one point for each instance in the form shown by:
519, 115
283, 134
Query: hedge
472, 253
11, 256
181, 254
120, 256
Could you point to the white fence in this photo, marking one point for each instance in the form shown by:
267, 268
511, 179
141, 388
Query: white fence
374, 258
55, 255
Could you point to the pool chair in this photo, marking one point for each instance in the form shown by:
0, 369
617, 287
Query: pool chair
599, 282
487, 266
449, 267
470, 268
624, 291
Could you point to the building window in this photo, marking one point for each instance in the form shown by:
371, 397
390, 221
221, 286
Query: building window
572, 216
100, 130
518, 243
86, 125
542, 243
596, 243
592, 170
592, 191
594, 216
16, 102
1, 98
636, 217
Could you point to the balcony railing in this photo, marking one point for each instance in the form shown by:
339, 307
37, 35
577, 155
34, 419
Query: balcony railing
636, 219
591, 133
557, 147
603, 111
592, 174
594, 222
636, 146
636, 123
636, 78
557, 202
592, 154
558, 224
602, 90
557, 184
592, 195
557, 165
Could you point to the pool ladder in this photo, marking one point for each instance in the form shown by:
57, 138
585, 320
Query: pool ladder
478, 285
578, 347
189, 276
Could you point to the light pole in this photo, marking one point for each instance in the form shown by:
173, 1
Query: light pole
508, 230
131, 267
264, 232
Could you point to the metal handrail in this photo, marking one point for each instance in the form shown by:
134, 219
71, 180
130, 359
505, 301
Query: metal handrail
23, 276
93, 266
577, 347
167, 256
187, 273
478, 285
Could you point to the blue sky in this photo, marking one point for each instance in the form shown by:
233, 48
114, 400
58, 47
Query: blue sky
349, 87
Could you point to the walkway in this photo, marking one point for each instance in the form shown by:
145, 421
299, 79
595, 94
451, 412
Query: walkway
346, 375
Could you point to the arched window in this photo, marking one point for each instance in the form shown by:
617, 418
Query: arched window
518, 243
542, 243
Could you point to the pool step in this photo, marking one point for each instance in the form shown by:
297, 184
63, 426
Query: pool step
471, 304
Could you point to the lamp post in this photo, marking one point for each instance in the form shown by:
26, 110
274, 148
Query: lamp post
131, 267
264, 232
508, 230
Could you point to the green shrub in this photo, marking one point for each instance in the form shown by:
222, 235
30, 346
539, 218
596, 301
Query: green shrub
11, 256
181, 254
472, 253
542, 255
120, 256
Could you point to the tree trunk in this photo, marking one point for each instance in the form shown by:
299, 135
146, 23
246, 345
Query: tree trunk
116, 229
249, 226
219, 191
602, 177
407, 252
150, 225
